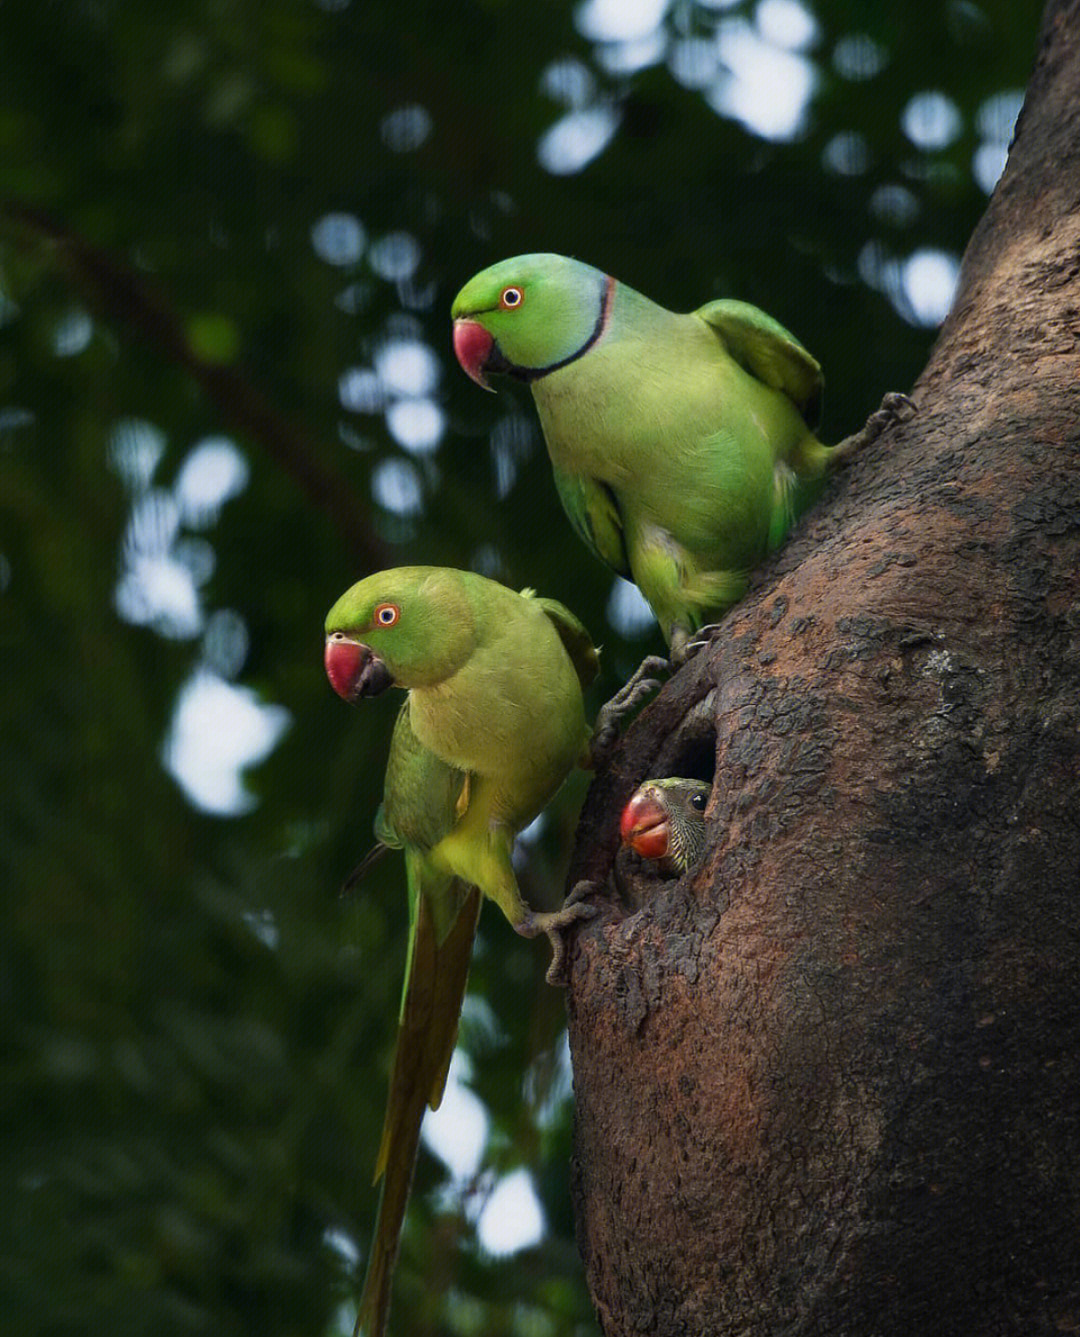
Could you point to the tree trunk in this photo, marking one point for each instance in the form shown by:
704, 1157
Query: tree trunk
829, 1082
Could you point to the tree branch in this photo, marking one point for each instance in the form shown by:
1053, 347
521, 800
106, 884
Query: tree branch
115, 291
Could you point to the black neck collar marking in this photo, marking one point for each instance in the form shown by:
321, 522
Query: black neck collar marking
496, 362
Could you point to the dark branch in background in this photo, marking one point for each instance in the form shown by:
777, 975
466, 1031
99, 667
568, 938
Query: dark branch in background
114, 290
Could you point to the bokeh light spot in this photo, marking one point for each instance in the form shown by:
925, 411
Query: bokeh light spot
416, 424
513, 1218
396, 486
406, 128
225, 642
693, 62
988, 163
407, 367
457, 1131
361, 391
786, 23
929, 278
625, 58
339, 239
576, 139
213, 472
72, 334
619, 20
568, 81
931, 120
846, 154
857, 57
996, 117
134, 451
895, 204
395, 257
766, 88
217, 731
628, 611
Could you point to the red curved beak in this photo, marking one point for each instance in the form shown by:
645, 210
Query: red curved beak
644, 826
472, 345
355, 670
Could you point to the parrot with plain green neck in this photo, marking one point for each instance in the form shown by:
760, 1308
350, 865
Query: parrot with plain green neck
664, 821
682, 445
492, 724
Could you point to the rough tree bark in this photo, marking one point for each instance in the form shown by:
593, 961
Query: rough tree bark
829, 1082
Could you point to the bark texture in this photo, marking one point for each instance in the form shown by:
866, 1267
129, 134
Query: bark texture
829, 1082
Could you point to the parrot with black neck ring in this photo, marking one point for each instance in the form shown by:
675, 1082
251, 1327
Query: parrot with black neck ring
683, 445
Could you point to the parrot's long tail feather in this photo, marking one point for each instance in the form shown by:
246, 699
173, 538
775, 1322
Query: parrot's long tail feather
426, 1037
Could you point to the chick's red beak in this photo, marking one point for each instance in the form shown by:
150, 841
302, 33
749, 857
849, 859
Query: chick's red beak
472, 345
354, 669
644, 826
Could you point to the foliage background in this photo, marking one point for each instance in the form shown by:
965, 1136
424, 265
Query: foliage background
195, 1029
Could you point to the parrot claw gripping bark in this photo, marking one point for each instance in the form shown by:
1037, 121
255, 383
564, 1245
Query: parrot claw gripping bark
629, 696
895, 408
682, 445
555, 924
492, 724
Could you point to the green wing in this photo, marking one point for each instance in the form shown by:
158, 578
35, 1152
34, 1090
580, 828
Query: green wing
761, 346
594, 514
420, 792
583, 654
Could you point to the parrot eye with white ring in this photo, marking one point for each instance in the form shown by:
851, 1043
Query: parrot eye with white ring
386, 615
510, 298
699, 802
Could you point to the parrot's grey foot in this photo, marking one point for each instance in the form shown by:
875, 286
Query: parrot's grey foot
895, 407
554, 923
627, 698
684, 649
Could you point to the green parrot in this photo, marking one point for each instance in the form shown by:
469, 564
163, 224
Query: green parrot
665, 820
683, 445
492, 724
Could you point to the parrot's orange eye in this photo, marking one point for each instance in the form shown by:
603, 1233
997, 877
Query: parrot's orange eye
510, 298
386, 615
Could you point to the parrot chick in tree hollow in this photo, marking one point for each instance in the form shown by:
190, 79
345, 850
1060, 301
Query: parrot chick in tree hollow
492, 724
665, 820
682, 444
